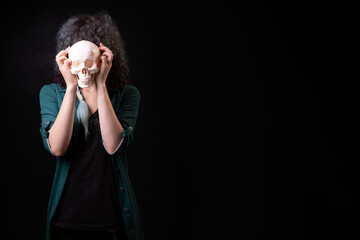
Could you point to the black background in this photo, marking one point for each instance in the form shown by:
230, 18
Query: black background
303, 61
248, 125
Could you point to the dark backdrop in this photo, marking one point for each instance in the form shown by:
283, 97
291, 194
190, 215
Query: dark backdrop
248, 120
302, 61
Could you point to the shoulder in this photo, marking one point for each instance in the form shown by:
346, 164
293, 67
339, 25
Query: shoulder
129, 91
126, 98
131, 94
50, 88
50, 93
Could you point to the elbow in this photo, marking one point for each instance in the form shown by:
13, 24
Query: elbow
58, 152
111, 150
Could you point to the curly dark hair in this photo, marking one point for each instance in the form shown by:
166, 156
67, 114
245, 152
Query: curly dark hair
95, 28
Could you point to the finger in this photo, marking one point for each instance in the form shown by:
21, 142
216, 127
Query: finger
63, 52
104, 48
104, 62
109, 56
60, 60
103, 59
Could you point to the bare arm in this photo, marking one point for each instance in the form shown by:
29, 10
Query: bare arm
110, 126
61, 131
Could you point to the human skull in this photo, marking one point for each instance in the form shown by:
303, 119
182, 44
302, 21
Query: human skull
85, 60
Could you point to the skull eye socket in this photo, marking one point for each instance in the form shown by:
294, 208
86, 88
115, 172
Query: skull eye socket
76, 64
89, 63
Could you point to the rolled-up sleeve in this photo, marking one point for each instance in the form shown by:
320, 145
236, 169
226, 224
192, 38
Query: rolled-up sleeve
49, 110
127, 112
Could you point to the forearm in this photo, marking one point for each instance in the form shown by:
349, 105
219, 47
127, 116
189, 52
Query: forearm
110, 126
61, 131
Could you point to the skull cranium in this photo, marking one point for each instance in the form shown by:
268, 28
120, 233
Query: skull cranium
85, 60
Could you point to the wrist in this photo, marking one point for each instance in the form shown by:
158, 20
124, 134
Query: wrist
71, 89
101, 92
101, 86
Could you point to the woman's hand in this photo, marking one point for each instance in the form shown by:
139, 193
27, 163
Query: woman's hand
64, 66
106, 59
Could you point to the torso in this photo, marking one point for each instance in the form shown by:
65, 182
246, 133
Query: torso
89, 200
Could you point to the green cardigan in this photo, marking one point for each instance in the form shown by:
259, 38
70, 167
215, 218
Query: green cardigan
125, 103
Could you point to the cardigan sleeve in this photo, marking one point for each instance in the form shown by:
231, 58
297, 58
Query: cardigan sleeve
49, 110
127, 112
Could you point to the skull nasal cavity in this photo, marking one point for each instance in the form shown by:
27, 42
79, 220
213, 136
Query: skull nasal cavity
83, 71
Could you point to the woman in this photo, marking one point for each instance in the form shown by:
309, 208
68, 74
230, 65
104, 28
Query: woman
91, 196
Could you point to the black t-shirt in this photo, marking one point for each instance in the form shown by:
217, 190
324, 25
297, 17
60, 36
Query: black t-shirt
89, 200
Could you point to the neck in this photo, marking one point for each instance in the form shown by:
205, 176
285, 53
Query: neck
88, 90
88, 93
